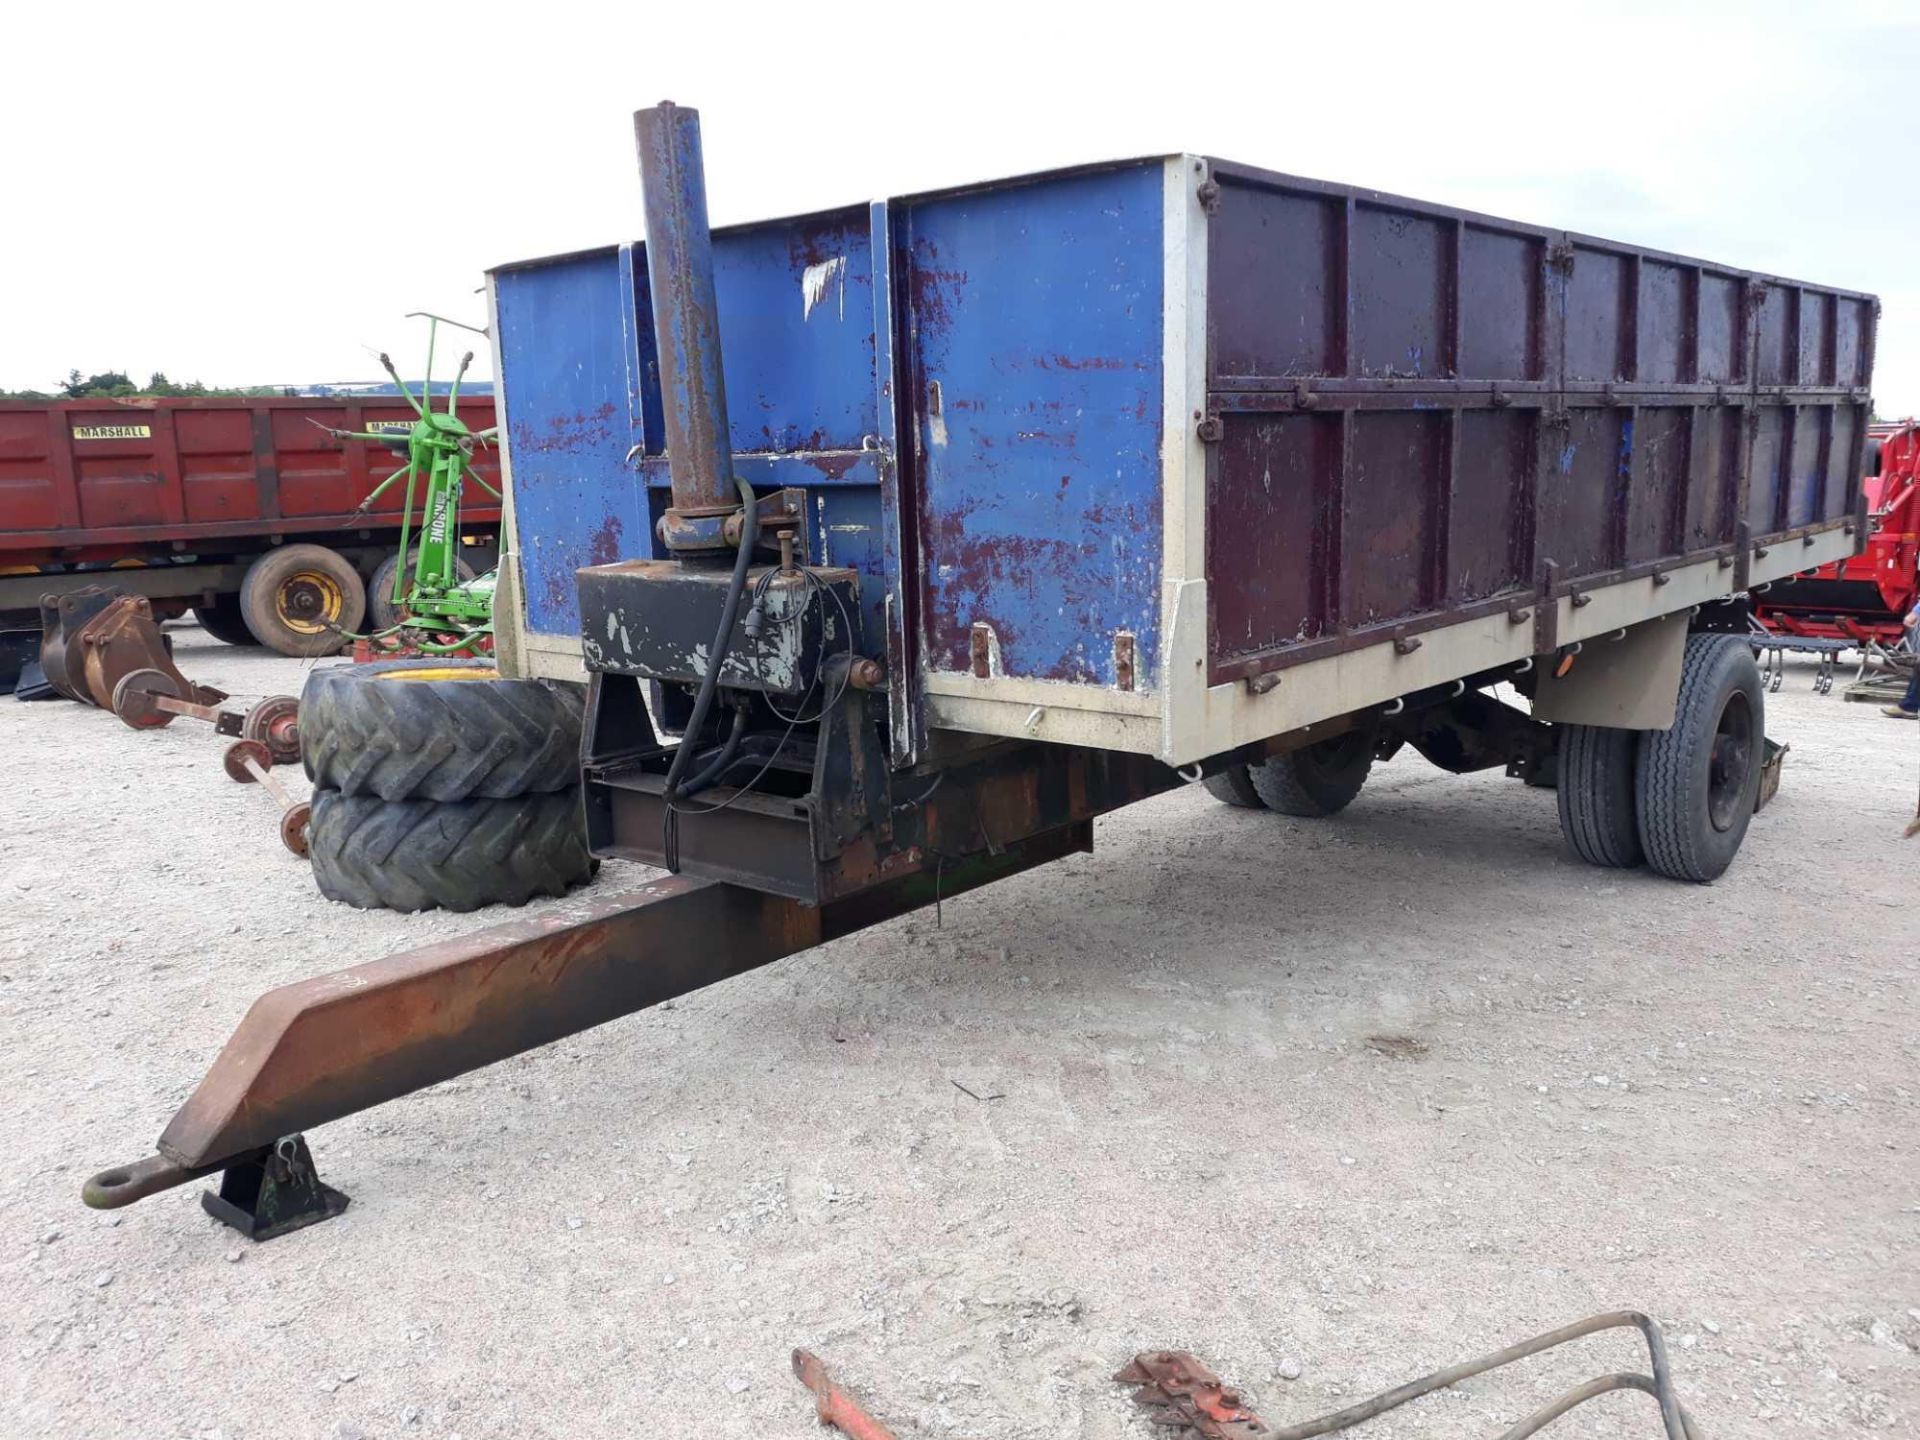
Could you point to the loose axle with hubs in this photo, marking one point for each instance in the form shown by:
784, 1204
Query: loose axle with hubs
250, 762
149, 699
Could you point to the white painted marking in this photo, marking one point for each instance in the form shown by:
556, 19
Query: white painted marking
814, 283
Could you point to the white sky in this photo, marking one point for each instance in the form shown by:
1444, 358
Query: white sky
258, 193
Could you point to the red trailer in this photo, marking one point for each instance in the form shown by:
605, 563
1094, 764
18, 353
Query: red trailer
240, 509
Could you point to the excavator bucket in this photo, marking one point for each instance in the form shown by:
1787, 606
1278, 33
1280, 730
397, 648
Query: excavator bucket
92, 639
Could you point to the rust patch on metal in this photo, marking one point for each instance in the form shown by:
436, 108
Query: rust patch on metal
980, 651
604, 547
574, 434
1123, 660
933, 287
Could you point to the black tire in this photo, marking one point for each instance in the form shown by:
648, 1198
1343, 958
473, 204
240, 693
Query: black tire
224, 622
423, 855
1596, 777
1233, 786
382, 613
299, 598
1699, 778
1316, 780
438, 730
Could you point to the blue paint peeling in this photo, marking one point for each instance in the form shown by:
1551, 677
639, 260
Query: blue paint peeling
1034, 313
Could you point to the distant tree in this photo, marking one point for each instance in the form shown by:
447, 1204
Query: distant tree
118, 385
106, 382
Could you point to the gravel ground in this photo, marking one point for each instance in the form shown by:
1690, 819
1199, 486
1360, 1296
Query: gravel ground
1331, 1103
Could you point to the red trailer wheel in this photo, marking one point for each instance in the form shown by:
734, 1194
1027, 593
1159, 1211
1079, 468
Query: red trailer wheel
300, 599
275, 723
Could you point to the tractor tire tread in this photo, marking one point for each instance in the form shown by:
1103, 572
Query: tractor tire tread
413, 855
440, 740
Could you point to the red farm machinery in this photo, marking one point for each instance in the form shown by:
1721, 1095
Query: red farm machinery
1863, 599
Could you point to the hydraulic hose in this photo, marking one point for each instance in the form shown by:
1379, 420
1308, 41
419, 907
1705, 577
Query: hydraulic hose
724, 761
722, 643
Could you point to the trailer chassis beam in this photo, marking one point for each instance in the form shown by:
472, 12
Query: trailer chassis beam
321, 1049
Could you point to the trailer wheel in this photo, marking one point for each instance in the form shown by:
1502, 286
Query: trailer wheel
298, 599
1234, 786
1315, 780
382, 613
1596, 794
224, 622
424, 854
1698, 779
438, 730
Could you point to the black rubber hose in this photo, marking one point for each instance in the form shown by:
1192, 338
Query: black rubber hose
728, 752
722, 640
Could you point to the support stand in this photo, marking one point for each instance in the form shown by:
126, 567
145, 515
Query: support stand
273, 1191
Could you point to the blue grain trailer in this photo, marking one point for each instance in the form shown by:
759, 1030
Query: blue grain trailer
938, 526
1254, 477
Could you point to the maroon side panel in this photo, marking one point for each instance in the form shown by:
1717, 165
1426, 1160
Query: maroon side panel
1393, 491
36, 484
1488, 534
217, 464
1257, 530
1425, 414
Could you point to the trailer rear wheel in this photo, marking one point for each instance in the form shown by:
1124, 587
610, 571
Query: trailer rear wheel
382, 613
224, 622
1699, 778
411, 855
1595, 785
299, 598
1315, 780
1234, 786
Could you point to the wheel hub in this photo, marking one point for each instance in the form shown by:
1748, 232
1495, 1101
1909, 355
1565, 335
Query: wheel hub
309, 602
1729, 763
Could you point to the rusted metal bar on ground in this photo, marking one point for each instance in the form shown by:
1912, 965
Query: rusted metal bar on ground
1189, 1399
1678, 1424
250, 763
833, 1404
324, 1048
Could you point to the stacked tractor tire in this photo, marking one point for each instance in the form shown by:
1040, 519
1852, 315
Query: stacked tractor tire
439, 784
